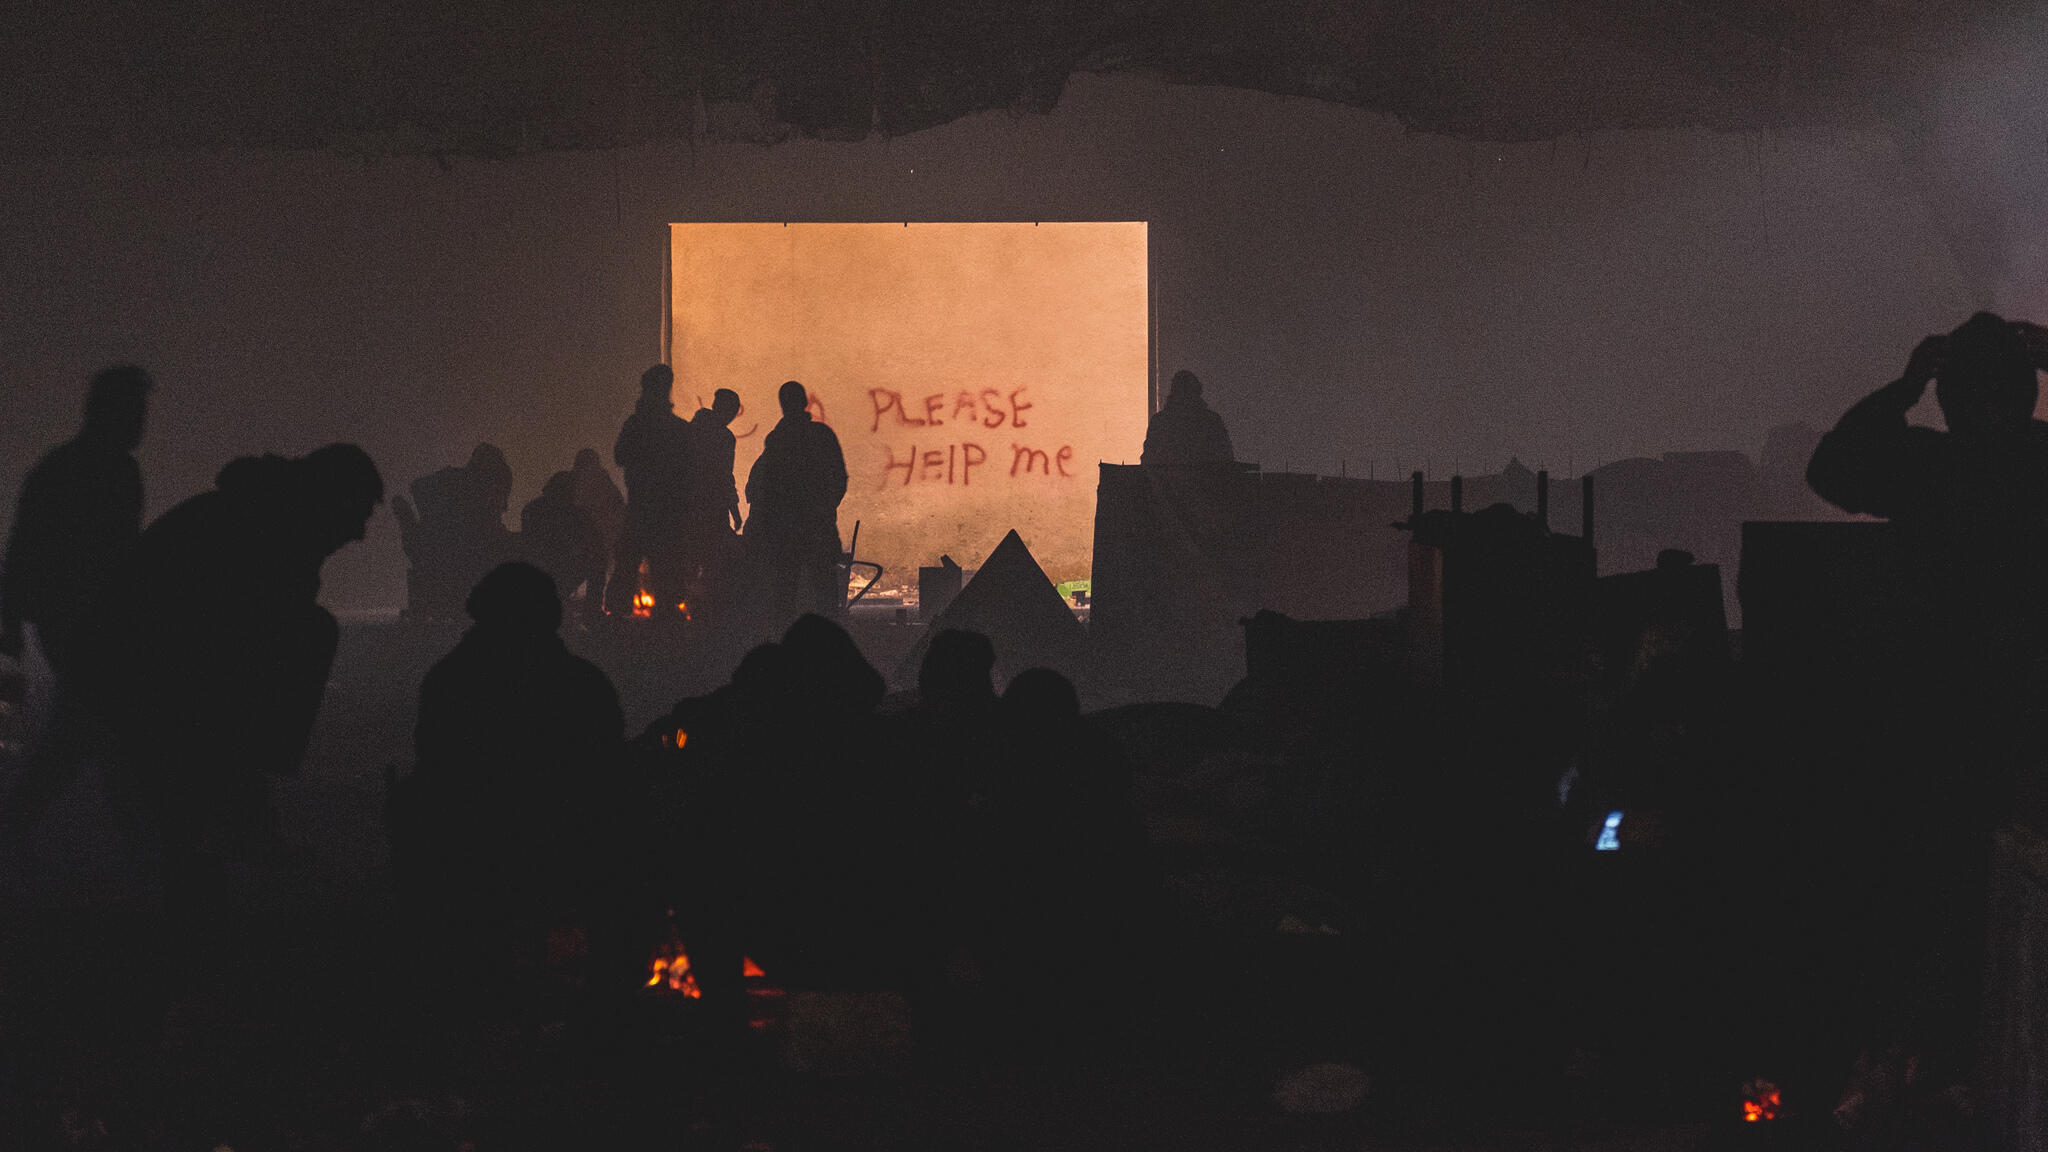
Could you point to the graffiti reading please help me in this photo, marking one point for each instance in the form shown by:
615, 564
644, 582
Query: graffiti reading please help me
955, 462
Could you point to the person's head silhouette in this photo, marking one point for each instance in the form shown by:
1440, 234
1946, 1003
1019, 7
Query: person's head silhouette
1038, 697
656, 383
587, 460
956, 669
725, 404
117, 406
516, 598
342, 489
488, 461
1186, 388
827, 666
793, 397
1987, 380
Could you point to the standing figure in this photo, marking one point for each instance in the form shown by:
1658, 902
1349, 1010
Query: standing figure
653, 450
454, 531
1186, 432
79, 514
714, 495
1969, 517
794, 491
598, 495
557, 535
210, 654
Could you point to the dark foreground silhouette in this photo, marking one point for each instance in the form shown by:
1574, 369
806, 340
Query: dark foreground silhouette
1949, 710
77, 520
208, 655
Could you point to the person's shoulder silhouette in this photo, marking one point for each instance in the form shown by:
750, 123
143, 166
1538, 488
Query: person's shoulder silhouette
511, 700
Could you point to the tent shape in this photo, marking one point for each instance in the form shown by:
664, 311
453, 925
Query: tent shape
1012, 602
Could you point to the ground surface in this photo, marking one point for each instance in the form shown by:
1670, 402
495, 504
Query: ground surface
1260, 968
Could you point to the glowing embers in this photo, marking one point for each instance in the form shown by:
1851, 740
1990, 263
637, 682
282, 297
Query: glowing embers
643, 604
670, 970
670, 974
1761, 1101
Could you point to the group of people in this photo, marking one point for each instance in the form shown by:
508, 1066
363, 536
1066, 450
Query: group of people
783, 815
670, 546
794, 816
197, 642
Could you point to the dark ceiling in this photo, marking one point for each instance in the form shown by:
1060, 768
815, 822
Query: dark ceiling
471, 77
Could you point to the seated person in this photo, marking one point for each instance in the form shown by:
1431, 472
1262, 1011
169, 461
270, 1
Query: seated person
1186, 432
503, 821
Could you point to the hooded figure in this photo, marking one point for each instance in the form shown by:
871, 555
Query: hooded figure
515, 741
209, 654
1186, 432
560, 537
453, 531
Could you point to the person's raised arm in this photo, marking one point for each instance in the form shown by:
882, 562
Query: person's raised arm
1860, 465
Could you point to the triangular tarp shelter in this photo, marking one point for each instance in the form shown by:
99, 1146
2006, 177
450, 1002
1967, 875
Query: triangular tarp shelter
1013, 602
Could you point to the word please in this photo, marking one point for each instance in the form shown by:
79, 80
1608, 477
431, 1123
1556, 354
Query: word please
988, 408
955, 463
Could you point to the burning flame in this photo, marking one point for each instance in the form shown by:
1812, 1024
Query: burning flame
643, 604
1760, 1101
671, 970
682, 738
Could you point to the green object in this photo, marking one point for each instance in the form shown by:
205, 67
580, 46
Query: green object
1068, 589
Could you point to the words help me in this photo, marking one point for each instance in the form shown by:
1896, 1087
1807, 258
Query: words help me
955, 463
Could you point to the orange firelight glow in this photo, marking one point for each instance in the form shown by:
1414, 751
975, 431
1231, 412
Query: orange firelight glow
975, 373
682, 738
670, 968
673, 972
1761, 1101
643, 605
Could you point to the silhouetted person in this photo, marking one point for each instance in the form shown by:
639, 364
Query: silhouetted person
599, 496
953, 744
209, 654
560, 537
1186, 432
714, 495
1969, 512
1069, 848
653, 450
790, 845
453, 531
79, 515
504, 824
793, 492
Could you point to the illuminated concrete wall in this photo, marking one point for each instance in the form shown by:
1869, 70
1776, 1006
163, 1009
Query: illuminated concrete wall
976, 373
